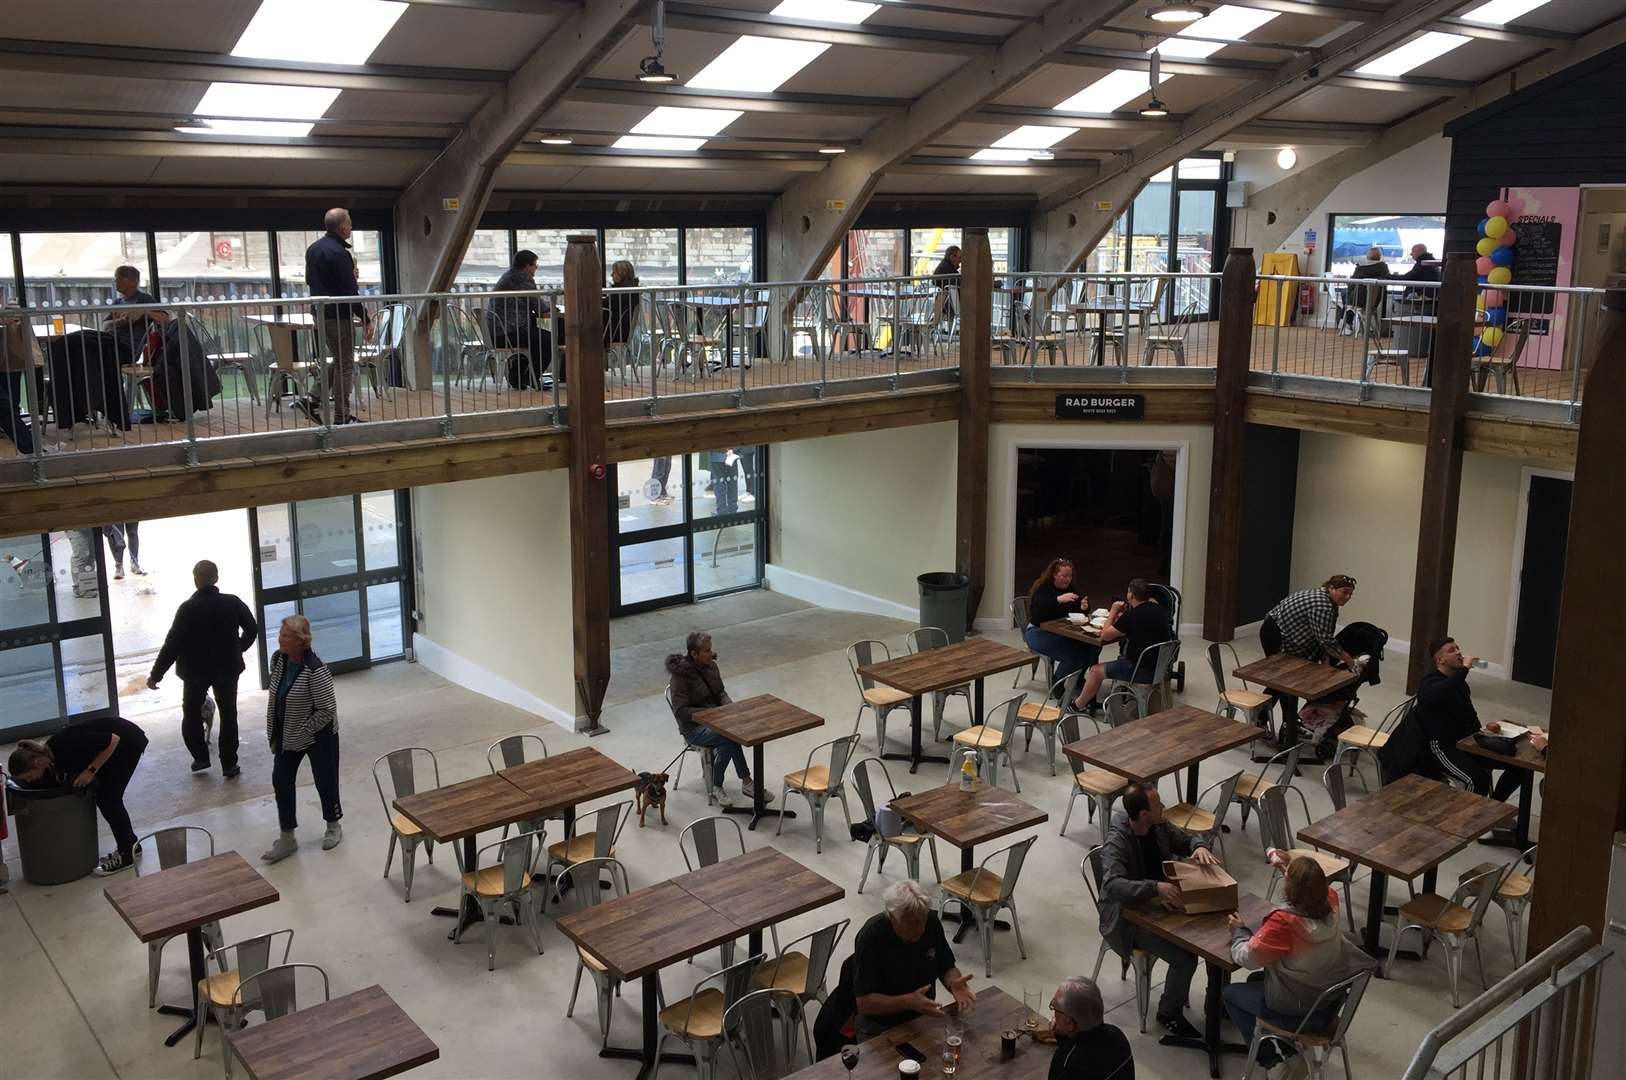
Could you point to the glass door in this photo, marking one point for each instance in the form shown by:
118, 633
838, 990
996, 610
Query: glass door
1193, 253
339, 562
56, 643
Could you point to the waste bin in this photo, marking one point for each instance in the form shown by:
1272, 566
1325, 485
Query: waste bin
942, 602
56, 832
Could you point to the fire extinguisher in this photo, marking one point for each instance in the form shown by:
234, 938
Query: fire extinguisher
1306, 298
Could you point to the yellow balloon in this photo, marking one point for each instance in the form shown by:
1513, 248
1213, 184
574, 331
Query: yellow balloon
1479, 302
1501, 275
1491, 336
1485, 246
1495, 227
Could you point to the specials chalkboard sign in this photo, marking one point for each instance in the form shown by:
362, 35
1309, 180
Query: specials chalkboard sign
1100, 406
1536, 256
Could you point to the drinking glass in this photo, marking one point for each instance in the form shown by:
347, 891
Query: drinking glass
849, 1058
1030, 1000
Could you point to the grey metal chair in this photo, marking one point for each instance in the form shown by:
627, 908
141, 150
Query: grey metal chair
1359, 738
1513, 895
587, 880
877, 698
764, 1031
803, 974
992, 744
908, 843
1253, 786
985, 893
276, 992
1253, 705
1170, 338
1019, 623
1451, 922
1043, 716
406, 779
1317, 1044
705, 752
697, 1020
1149, 682
1276, 831
511, 881
1139, 960
173, 847
922, 639
1099, 787
1208, 826
217, 994
512, 750
599, 843
1332, 778
1119, 708
708, 841
818, 784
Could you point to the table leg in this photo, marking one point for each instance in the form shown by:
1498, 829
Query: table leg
916, 754
1374, 914
470, 912
759, 807
1519, 838
1191, 784
195, 965
1212, 1009
753, 941
645, 1054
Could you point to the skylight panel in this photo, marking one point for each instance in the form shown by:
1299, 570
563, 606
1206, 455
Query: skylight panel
1108, 93
1413, 54
668, 120
284, 128
1228, 22
318, 31
1501, 12
1033, 137
992, 154
830, 11
265, 101
757, 65
656, 142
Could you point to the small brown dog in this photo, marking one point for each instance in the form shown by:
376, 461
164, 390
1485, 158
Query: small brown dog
651, 792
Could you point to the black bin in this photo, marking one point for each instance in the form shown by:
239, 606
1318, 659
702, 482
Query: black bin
943, 599
56, 832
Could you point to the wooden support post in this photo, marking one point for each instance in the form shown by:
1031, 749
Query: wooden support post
1230, 427
1442, 463
976, 344
589, 477
1585, 802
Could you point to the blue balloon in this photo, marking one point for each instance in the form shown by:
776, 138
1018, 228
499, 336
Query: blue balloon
1483, 280
1482, 223
1502, 256
1480, 348
1495, 316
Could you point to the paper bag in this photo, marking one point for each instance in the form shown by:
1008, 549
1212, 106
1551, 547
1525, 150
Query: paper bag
1202, 888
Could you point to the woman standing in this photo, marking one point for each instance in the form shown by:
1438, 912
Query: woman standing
103, 750
1052, 597
302, 717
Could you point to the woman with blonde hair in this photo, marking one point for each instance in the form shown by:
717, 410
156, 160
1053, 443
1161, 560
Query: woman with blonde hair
102, 751
302, 718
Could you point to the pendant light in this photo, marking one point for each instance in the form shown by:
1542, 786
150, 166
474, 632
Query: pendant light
1154, 109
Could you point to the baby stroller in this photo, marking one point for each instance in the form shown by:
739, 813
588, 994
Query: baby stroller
1321, 720
1169, 597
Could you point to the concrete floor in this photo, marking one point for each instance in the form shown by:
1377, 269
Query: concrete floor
76, 981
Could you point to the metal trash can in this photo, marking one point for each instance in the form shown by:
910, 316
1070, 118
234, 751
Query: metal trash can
943, 601
56, 832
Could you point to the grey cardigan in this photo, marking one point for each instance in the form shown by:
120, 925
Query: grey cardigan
310, 705
1123, 878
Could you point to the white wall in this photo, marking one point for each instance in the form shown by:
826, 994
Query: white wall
494, 589
1191, 527
855, 518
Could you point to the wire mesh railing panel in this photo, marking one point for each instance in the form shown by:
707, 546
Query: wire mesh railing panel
1106, 320
1369, 331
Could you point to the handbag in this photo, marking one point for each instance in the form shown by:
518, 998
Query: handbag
1497, 744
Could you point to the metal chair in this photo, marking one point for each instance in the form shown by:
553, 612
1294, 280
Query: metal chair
763, 1030
1205, 824
217, 993
1332, 778
405, 779
697, 1020
707, 839
1153, 669
1019, 623
389, 337
807, 320
274, 992
841, 329
1119, 708
907, 842
1483, 367
1043, 716
991, 744
512, 750
1252, 787
985, 893
878, 699
1172, 339
1276, 831
1253, 705
173, 849
246, 363
1346, 997
509, 880
608, 822
1358, 737
587, 887
1512, 896
818, 784
1099, 787
803, 974
1138, 960
1451, 922
706, 757
923, 639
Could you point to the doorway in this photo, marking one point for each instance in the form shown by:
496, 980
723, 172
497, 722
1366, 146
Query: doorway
1540, 580
1109, 510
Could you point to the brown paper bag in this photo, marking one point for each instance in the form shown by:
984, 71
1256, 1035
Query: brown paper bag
1202, 888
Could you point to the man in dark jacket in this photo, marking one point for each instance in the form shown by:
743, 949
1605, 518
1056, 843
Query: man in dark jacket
1132, 860
514, 322
330, 270
1445, 712
698, 684
1087, 1048
206, 643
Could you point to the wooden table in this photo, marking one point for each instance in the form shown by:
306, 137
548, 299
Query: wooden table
968, 661
461, 812
1430, 802
1066, 628
754, 722
980, 1030
562, 782
1208, 938
360, 1036
637, 935
181, 900
1294, 677
1526, 758
966, 819
1163, 743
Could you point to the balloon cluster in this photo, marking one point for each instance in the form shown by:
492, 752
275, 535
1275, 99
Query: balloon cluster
1495, 267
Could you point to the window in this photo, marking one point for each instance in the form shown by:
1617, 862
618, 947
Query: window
550, 246
874, 253
1108, 256
652, 252
714, 256
927, 246
213, 265
485, 261
76, 268
1149, 244
1351, 236
8, 267
365, 245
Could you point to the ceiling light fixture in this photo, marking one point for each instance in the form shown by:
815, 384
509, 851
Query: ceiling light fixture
1173, 11
832, 149
650, 68
1154, 109
1042, 155
1287, 157
554, 139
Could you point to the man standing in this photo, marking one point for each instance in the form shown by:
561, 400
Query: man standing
898, 958
1132, 860
1087, 1048
206, 643
1445, 711
330, 270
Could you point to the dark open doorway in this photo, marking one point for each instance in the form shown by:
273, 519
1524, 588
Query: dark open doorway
1541, 579
1110, 511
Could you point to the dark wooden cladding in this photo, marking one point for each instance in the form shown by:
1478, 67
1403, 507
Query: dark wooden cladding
1383, 840
1206, 936
184, 897
996, 1012
968, 818
1441, 806
360, 1036
758, 719
1588, 747
951, 665
971, 499
570, 778
759, 888
1291, 675
1524, 755
469, 807
1230, 425
1162, 743
589, 476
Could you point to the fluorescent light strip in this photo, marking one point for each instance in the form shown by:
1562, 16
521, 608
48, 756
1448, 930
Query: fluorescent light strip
318, 31
1107, 93
668, 120
266, 101
830, 11
992, 154
757, 65
1502, 12
1228, 22
282, 128
1413, 54
1033, 137
656, 142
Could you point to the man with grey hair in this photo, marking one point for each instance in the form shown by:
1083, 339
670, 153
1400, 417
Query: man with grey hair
206, 643
898, 958
1086, 1048
330, 270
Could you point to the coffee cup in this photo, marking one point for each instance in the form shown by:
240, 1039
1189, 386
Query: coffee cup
908, 1069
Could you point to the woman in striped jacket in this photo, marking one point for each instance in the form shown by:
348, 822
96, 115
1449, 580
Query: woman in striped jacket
302, 717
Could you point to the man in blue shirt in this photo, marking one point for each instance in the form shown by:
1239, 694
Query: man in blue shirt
330, 270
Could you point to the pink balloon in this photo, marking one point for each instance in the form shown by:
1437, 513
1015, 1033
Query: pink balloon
1508, 239
1483, 265
1497, 208
1495, 298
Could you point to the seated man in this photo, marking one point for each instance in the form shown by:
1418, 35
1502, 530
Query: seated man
131, 327
1086, 1047
1446, 714
1140, 624
698, 684
1132, 874
898, 957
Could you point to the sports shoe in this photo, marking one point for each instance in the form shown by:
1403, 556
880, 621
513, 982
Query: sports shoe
286, 844
1179, 1027
199, 766
331, 838
748, 788
135, 568
112, 863
232, 773
118, 573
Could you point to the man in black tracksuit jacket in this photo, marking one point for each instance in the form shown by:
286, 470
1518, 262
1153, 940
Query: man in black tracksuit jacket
1445, 711
206, 643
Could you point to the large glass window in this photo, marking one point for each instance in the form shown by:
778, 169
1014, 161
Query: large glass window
8, 267
55, 644
927, 246
1149, 244
1353, 235
213, 265
719, 256
65, 269
875, 253
486, 259
365, 244
652, 252
550, 246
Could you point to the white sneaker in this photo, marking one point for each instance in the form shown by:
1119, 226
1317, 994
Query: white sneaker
331, 838
721, 797
286, 844
748, 788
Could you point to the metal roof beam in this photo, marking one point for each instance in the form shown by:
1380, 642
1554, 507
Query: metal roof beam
1517, 35
1133, 60
715, 20
618, 92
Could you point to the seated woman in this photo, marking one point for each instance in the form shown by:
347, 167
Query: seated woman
1052, 597
104, 751
698, 684
620, 309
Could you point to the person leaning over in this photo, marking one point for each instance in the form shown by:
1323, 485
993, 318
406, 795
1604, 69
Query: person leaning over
1140, 623
206, 643
104, 751
697, 683
1086, 1047
1445, 711
898, 958
1305, 624
302, 718
1132, 860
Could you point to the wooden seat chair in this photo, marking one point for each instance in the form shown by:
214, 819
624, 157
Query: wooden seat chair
598, 843
697, 1020
877, 698
909, 843
1512, 895
1100, 788
173, 847
1253, 705
818, 784
510, 881
1042, 716
1358, 739
992, 744
1206, 825
1276, 830
1316, 1044
412, 769
1453, 922
216, 995
588, 890
766, 1031
1252, 787
985, 893
924, 639
1151, 679
1139, 960
1019, 623
802, 973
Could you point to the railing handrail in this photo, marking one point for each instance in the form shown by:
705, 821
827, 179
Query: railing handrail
1408, 283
